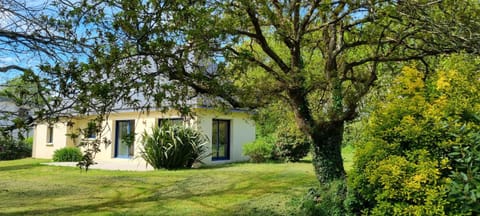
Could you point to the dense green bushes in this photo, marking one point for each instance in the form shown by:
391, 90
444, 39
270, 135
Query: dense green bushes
418, 152
291, 144
260, 150
67, 154
173, 147
284, 146
277, 132
464, 190
11, 149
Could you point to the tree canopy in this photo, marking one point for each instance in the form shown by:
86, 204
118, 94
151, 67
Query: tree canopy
320, 57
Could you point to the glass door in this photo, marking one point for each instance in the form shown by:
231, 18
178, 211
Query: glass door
124, 138
220, 139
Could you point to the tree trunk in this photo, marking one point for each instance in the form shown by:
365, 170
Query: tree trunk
327, 157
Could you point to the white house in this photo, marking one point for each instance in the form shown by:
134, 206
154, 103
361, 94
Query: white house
227, 133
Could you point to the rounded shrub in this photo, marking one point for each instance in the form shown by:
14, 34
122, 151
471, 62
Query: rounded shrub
291, 145
67, 154
259, 150
14, 149
173, 147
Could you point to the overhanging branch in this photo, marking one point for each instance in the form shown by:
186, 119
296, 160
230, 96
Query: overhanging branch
13, 67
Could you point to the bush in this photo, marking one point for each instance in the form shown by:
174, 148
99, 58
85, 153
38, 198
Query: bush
259, 150
417, 153
173, 147
29, 141
325, 200
291, 145
67, 154
14, 149
464, 193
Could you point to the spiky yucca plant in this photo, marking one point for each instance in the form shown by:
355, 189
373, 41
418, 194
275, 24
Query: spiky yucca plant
173, 147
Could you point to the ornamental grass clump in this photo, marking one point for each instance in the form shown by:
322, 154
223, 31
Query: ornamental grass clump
173, 147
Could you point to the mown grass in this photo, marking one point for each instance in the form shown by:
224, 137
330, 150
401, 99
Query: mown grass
29, 188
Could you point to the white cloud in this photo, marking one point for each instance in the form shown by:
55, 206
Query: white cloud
8, 61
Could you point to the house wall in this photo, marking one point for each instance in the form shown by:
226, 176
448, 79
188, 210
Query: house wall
242, 132
43, 149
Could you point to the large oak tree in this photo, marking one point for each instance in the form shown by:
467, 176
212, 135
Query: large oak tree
320, 56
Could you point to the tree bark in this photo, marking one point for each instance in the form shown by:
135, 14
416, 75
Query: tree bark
327, 156
326, 139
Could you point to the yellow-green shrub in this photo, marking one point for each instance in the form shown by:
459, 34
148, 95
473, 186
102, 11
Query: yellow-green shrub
404, 164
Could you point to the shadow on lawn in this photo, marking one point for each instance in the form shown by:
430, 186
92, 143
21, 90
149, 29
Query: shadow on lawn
183, 190
99, 208
18, 167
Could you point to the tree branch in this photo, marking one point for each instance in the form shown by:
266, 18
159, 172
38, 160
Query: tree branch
263, 42
13, 67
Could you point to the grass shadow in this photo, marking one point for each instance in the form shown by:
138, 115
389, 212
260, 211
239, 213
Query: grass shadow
218, 166
305, 160
18, 167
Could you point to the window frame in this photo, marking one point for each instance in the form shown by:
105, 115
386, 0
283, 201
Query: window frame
91, 130
228, 136
172, 120
130, 149
50, 130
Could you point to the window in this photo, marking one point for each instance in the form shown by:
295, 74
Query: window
220, 139
171, 121
124, 138
50, 134
91, 131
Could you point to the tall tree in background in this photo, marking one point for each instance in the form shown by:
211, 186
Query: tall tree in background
321, 57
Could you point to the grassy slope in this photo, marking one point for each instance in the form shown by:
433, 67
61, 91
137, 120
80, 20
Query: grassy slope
28, 188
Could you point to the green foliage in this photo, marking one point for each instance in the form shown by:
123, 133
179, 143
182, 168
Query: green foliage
23, 100
291, 145
325, 200
173, 147
320, 59
276, 125
260, 150
269, 119
67, 154
11, 149
464, 191
417, 155
29, 141
92, 147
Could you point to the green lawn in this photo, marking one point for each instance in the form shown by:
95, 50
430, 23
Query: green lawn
28, 188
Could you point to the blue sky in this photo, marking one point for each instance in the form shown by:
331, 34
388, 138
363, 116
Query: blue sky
16, 54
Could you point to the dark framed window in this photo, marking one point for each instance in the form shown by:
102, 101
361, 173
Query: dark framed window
50, 134
171, 121
124, 138
220, 139
91, 130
